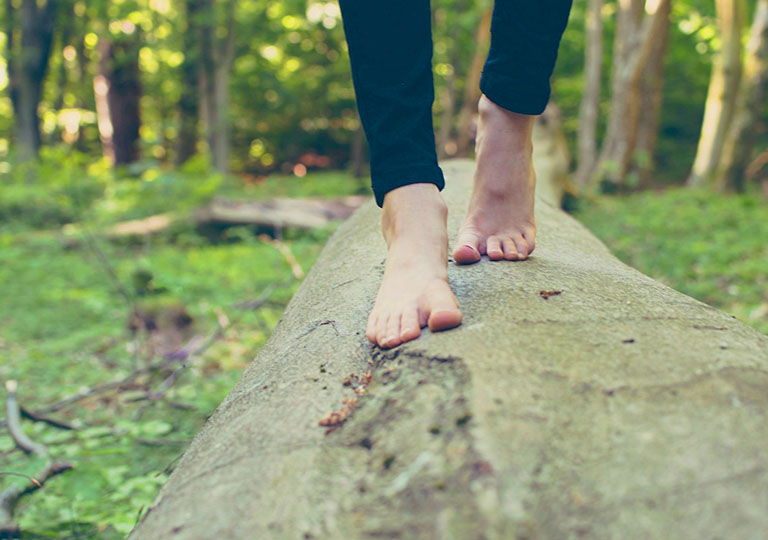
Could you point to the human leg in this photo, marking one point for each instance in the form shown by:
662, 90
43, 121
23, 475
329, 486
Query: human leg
515, 83
390, 49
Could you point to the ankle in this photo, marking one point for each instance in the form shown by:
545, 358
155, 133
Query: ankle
414, 208
519, 127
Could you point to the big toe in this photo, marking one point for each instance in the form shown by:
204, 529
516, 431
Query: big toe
467, 249
444, 319
443, 309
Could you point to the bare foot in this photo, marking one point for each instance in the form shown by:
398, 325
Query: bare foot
499, 222
414, 291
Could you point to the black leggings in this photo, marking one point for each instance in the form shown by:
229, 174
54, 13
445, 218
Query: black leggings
390, 49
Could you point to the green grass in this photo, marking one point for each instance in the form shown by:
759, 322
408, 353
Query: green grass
712, 247
65, 326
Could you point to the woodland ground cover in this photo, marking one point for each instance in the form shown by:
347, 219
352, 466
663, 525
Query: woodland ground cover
66, 325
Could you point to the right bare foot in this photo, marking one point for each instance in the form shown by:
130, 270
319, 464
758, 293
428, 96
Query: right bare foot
414, 291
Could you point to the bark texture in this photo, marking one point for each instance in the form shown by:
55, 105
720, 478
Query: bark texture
721, 95
590, 99
651, 86
638, 26
117, 91
618, 408
189, 100
216, 55
467, 116
27, 65
739, 143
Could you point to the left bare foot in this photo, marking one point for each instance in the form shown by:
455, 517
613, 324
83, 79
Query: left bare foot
499, 222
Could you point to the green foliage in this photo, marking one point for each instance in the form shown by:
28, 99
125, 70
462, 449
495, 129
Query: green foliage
711, 247
64, 326
64, 186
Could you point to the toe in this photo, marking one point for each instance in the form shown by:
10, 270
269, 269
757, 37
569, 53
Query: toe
443, 319
521, 245
381, 330
510, 250
409, 325
493, 248
530, 238
467, 248
370, 330
443, 309
393, 331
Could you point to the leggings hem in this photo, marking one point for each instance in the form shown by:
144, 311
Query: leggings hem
384, 182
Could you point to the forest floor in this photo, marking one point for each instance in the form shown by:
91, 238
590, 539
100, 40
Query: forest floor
196, 306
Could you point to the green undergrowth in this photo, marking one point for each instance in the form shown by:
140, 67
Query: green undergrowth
65, 187
710, 246
74, 315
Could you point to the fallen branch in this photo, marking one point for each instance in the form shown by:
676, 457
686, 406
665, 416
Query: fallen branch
10, 497
35, 417
276, 213
14, 424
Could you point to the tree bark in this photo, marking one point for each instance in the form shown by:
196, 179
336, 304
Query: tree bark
618, 408
27, 67
739, 143
651, 86
721, 96
465, 129
216, 57
639, 24
590, 99
446, 120
189, 101
117, 92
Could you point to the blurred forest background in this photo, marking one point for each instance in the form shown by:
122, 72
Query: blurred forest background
141, 270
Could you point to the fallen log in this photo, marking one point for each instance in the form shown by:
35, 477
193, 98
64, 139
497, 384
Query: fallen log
277, 213
579, 398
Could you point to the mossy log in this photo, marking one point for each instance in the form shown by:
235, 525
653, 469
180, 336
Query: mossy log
579, 398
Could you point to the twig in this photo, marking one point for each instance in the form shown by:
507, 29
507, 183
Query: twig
11, 496
298, 273
14, 424
35, 417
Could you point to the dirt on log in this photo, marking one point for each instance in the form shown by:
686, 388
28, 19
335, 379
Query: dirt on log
579, 398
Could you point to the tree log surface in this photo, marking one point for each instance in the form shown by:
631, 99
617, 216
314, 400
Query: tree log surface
619, 408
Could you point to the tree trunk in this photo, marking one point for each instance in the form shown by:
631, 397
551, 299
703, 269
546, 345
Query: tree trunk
472, 87
638, 26
651, 86
117, 91
590, 99
189, 101
66, 30
721, 96
739, 143
618, 408
216, 57
446, 121
27, 67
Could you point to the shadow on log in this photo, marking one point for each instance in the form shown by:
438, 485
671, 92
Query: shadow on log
618, 408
